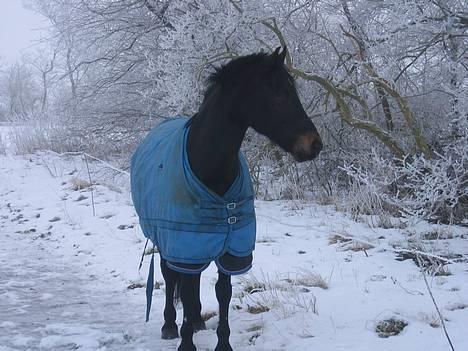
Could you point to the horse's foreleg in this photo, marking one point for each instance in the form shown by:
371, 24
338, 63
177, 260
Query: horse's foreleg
188, 284
198, 324
169, 329
223, 294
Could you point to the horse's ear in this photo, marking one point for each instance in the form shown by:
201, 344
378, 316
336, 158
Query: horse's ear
277, 58
282, 55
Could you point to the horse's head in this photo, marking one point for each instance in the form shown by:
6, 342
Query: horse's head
265, 98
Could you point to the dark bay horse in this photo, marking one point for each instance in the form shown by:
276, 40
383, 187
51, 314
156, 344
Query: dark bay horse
250, 91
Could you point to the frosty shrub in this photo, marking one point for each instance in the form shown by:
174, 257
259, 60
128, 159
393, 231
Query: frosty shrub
29, 139
435, 190
72, 137
275, 174
308, 278
79, 184
32, 137
283, 297
362, 199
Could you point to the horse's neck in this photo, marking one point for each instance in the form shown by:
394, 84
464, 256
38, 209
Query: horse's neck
213, 146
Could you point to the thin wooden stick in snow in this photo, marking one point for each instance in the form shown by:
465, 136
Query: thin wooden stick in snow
435, 304
90, 184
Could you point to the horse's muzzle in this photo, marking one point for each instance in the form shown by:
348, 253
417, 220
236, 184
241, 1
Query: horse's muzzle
307, 146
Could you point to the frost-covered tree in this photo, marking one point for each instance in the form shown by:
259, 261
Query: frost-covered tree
103, 48
376, 76
19, 92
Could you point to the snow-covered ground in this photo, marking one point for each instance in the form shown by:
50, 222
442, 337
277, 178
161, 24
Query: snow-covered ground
68, 278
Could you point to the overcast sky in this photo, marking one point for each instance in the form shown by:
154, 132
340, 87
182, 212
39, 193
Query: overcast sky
19, 28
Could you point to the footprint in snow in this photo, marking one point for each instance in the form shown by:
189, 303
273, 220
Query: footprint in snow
81, 198
107, 216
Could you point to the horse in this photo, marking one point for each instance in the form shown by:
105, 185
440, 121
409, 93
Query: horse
214, 220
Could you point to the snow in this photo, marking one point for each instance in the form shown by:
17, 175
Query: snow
64, 273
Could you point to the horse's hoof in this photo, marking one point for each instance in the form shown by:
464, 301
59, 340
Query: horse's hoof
224, 347
169, 333
197, 326
187, 347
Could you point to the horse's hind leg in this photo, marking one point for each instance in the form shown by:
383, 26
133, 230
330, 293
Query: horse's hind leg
223, 294
188, 284
169, 329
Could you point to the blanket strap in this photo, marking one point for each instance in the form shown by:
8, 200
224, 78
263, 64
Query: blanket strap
149, 287
142, 256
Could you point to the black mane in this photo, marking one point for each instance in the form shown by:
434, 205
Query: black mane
236, 69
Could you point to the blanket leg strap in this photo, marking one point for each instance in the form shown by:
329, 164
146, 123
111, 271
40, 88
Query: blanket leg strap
142, 256
149, 287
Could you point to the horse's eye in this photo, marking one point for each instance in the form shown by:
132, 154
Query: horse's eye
285, 93
280, 89
280, 99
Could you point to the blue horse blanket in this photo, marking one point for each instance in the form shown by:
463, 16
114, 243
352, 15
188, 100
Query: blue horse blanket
188, 222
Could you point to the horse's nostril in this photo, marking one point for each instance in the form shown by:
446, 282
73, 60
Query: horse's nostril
307, 146
317, 145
